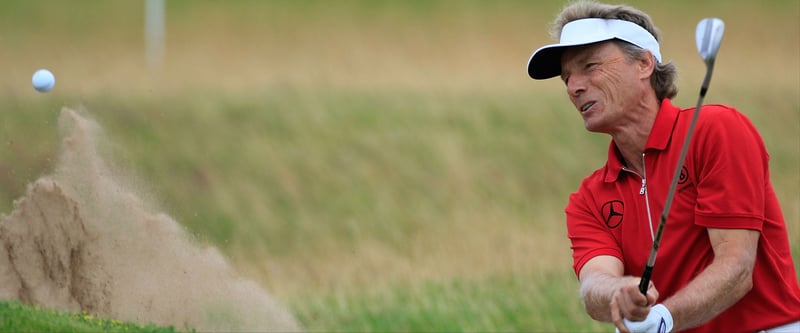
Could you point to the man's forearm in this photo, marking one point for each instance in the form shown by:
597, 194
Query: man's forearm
718, 287
723, 283
596, 292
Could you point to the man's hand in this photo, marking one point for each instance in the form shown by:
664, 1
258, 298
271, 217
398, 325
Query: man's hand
658, 320
629, 305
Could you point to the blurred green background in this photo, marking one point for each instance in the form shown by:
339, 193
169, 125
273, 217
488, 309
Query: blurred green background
377, 165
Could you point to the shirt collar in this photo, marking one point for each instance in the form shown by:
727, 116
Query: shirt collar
658, 139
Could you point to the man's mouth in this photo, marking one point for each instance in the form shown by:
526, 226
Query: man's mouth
586, 106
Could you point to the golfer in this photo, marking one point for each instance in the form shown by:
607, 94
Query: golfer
724, 263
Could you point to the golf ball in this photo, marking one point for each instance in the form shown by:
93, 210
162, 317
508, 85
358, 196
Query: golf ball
43, 80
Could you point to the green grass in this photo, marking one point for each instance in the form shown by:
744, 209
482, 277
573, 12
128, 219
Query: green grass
17, 317
378, 166
455, 305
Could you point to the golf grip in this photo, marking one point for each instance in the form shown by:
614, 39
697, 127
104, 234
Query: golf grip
645, 282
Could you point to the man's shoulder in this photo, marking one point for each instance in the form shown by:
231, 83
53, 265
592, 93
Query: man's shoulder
713, 115
722, 116
719, 109
596, 178
599, 186
714, 110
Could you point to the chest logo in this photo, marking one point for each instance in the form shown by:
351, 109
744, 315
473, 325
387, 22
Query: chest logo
612, 213
684, 175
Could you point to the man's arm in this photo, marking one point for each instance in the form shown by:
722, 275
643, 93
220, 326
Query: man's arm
723, 283
608, 295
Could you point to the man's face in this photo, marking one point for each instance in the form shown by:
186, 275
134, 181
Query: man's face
602, 84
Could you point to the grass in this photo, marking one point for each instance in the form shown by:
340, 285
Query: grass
455, 305
17, 317
379, 166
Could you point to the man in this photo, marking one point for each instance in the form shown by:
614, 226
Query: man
724, 261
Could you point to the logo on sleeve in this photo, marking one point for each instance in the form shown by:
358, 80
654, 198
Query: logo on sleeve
612, 213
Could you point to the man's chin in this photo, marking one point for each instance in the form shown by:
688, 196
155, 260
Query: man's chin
594, 128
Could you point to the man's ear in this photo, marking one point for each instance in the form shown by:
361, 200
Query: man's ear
647, 64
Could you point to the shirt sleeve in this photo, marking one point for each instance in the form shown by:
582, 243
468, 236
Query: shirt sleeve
588, 235
731, 164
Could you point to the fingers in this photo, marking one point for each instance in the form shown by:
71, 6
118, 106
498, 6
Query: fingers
652, 294
628, 303
633, 305
616, 316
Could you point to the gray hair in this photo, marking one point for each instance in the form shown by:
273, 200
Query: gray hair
664, 74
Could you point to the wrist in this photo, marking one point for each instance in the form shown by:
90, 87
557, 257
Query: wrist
666, 316
658, 320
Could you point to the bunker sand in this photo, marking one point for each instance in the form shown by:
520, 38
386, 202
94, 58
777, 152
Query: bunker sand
83, 240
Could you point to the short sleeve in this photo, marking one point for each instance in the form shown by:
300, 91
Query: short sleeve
587, 233
731, 164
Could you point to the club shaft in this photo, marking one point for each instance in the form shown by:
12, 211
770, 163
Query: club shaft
644, 283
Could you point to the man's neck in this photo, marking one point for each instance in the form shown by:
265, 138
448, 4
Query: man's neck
632, 139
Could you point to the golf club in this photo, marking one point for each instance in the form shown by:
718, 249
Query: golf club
708, 36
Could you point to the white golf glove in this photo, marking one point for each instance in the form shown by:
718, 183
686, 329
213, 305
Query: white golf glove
659, 320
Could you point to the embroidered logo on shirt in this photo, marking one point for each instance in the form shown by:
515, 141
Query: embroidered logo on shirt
612, 213
684, 175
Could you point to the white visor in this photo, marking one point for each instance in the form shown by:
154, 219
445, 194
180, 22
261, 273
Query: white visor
546, 61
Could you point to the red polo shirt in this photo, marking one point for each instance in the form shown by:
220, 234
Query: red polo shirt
724, 184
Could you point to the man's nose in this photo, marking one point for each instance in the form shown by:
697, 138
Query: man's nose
576, 85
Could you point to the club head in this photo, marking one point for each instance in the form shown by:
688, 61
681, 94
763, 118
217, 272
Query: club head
708, 37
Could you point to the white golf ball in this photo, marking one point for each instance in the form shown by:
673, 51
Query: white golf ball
43, 80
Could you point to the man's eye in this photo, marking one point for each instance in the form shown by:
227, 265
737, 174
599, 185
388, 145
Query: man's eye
591, 65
